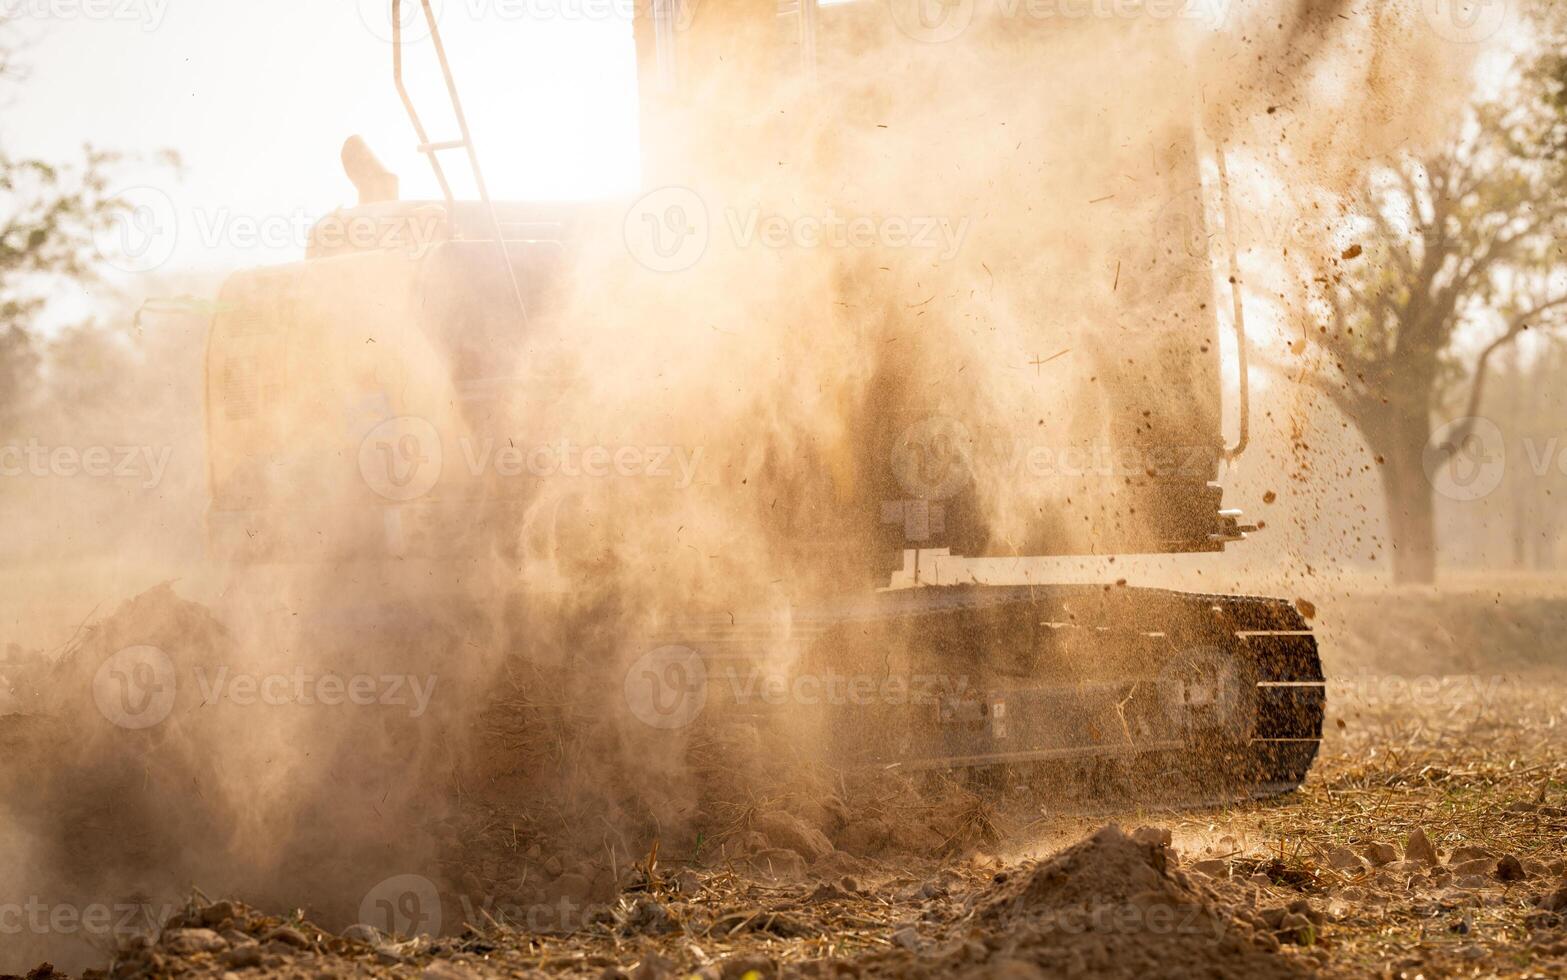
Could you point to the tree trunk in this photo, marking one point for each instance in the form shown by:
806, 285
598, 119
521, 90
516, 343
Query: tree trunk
1411, 509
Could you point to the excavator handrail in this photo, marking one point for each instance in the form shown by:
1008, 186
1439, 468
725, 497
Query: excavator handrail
425, 146
1243, 437
432, 150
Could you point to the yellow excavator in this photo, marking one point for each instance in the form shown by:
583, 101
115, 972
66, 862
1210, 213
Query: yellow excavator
412, 327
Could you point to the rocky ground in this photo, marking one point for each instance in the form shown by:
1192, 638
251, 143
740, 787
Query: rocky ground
1431, 840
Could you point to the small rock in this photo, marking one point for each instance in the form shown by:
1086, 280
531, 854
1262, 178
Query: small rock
837, 864
646, 915
788, 831
186, 941
1213, 868
1344, 859
1509, 868
1304, 907
290, 936
1157, 836
1468, 853
243, 956
1419, 848
1381, 854
217, 913
447, 970
362, 933
908, 937
1297, 928
554, 866
1468, 869
779, 862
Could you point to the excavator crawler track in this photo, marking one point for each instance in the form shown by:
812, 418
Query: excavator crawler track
1223, 695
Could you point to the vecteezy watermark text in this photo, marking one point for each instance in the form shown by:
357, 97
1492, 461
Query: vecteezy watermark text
1421, 691
303, 687
669, 229
670, 686
98, 919
145, 464
937, 233
402, 459
136, 688
147, 13
146, 227
408, 905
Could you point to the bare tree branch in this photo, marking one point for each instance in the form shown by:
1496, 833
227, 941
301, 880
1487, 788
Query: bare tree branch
1515, 328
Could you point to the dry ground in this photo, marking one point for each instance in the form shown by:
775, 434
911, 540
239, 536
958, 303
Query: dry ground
1332, 880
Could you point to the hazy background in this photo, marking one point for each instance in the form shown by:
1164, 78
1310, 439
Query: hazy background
258, 98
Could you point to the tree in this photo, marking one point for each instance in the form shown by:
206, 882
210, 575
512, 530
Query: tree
51, 217
1460, 241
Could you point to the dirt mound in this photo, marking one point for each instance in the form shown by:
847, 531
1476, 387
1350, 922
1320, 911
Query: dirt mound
103, 787
1107, 867
1112, 905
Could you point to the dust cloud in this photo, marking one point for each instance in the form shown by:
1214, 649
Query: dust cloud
963, 249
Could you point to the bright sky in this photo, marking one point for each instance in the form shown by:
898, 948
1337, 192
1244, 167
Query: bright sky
258, 98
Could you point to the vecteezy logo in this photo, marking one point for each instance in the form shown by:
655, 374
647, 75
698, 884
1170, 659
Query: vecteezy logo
1465, 21
1466, 459
667, 688
377, 17
667, 229
1203, 691
932, 21
142, 230
933, 459
1183, 224
401, 458
403, 905
135, 688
